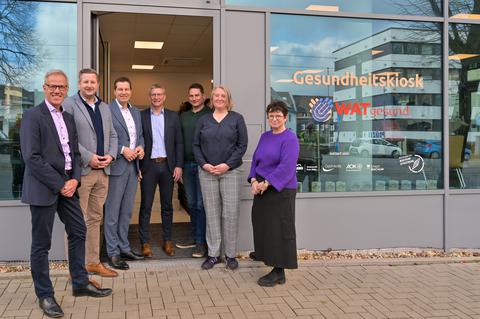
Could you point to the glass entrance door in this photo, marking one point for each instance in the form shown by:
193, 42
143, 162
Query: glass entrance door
172, 47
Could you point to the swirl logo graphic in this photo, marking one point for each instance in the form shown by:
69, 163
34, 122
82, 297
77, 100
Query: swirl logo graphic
415, 162
321, 109
417, 165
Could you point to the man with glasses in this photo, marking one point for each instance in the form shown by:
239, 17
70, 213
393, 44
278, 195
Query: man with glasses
49, 145
161, 166
97, 141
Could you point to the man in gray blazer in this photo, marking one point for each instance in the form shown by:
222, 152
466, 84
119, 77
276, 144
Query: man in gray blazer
98, 144
123, 176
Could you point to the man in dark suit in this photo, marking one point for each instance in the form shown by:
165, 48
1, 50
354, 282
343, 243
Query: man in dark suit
124, 172
162, 166
49, 145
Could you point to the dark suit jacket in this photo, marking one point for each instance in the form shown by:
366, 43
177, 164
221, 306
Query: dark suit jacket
173, 140
120, 165
43, 155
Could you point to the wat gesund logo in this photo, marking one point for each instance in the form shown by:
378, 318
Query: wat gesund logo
322, 108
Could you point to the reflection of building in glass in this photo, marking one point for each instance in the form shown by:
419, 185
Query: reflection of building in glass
399, 113
13, 101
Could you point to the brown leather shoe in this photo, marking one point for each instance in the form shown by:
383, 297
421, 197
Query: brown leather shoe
101, 270
168, 248
147, 251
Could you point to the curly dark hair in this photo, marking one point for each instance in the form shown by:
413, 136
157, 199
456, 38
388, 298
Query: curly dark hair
277, 106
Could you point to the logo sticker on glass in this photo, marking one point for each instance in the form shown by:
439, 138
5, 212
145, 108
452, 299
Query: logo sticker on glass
415, 162
321, 109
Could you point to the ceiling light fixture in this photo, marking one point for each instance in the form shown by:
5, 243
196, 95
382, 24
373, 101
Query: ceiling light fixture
462, 56
375, 52
312, 71
467, 16
284, 81
148, 45
142, 67
316, 7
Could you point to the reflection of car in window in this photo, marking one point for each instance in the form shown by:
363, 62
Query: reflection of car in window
374, 147
433, 149
5, 143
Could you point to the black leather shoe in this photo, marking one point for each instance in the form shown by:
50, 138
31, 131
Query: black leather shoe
276, 276
131, 255
117, 263
50, 307
92, 291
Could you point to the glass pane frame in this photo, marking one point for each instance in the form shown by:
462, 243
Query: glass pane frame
390, 7
44, 38
312, 167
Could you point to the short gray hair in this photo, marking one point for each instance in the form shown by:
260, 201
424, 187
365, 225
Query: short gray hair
55, 72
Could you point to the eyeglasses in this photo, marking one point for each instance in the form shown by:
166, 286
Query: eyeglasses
157, 94
53, 87
275, 117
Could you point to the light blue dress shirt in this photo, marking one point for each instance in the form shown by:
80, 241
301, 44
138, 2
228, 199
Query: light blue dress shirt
158, 134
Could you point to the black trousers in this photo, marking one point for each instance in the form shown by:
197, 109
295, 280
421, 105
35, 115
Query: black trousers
158, 174
70, 214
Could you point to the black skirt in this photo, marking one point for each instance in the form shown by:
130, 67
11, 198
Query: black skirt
273, 220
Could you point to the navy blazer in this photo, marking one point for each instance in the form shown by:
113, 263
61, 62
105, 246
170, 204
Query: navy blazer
119, 166
43, 155
173, 140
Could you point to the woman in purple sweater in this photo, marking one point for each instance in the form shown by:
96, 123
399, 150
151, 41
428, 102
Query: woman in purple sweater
274, 186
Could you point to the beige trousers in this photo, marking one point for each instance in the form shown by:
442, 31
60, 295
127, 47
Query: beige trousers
93, 192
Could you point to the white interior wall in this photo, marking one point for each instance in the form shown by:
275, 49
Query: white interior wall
176, 85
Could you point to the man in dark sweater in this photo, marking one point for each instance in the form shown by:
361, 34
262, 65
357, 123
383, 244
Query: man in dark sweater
98, 145
191, 182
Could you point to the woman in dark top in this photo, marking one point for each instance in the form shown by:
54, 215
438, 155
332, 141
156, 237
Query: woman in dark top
219, 142
274, 186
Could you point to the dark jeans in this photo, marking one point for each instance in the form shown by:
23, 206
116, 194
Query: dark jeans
195, 201
70, 214
157, 174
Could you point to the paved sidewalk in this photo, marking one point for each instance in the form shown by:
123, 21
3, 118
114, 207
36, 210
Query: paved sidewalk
180, 289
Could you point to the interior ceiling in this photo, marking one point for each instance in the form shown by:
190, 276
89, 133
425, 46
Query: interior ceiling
188, 42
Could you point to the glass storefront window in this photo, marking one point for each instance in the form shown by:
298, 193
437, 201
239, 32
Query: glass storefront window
365, 98
400, 7
35, 37
464, 9
464, 105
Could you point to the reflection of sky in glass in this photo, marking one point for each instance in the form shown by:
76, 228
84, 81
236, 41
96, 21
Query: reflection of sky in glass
367, 6
56, 31
463, 6
308, 43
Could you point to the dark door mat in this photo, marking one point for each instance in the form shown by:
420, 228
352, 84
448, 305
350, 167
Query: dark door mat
180, 233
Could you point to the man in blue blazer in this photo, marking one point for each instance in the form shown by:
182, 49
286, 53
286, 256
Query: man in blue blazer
161, 166
123, 176
49, 145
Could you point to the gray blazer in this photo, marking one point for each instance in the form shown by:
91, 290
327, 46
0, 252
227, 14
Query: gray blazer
118, 168
87, 139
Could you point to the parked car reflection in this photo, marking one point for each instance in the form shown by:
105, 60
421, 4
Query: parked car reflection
433, 149
374, 147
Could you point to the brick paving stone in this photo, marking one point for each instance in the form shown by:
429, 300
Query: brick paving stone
322, 290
